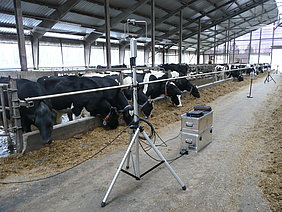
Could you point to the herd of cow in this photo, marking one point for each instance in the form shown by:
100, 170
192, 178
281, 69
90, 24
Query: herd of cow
107, 104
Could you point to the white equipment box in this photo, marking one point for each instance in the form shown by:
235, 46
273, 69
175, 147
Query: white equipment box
196, 128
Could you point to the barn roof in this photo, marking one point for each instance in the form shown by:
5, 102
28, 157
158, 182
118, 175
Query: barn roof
85, 19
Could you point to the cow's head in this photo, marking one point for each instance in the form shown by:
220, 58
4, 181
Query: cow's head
173, 92
44, 121
127, 114
147, 108
110, 121
195, 92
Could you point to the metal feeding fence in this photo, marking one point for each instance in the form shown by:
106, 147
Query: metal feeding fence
10, 103
10, 115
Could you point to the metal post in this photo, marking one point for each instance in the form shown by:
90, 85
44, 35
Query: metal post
199, 42
250, 47
3, 108
214, 45
227, 49
62, 55
259, 44
108, 27
16, 116
87, 54
20, 34
163, 55
233, 58
272, 43
35, 51
153, 24
180, 37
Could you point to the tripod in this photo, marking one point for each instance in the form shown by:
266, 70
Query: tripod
136, 128
269, 78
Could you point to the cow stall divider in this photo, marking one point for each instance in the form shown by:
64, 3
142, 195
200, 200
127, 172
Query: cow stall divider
10, 114
25, 142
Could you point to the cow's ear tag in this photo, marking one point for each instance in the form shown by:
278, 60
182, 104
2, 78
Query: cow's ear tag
104, 122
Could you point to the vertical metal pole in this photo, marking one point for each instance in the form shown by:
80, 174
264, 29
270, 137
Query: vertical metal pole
199, 42
250, 47
227, 47
62, 55
108, 27
272, 43
20, 34
153, 25
16, 116
233, 58
87, 54
214, 45
35, 51
4, 115
180, 37
259, 44
163, 55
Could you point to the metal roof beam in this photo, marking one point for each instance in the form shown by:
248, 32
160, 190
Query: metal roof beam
238, 24
164, 18
59, 13
247, 7
185, 25
116, 20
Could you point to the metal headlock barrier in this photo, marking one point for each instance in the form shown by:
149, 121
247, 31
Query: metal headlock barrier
124, 86
10, 115
12, 126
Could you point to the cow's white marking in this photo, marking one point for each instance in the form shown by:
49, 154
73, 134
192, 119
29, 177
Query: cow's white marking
146, 79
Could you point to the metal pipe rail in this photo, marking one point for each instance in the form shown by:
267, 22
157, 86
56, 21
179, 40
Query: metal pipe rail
122, 86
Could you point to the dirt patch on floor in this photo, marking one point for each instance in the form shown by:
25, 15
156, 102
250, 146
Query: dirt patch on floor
271, 133
63, 154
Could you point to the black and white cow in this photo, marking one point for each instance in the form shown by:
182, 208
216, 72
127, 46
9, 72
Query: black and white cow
182, 69
155, 90
185, 85
40, 115
114, 96
93, 102
237, 74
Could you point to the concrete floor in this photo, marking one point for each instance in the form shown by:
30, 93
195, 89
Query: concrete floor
222, 177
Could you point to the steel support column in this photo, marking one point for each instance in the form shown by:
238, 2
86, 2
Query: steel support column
233, 53
214, 45
180, 37
199, 42
20, 34
35, 51
260, 32
163, 59
87, 54
272, 43
228, 43
108, 38
153, 24
250, 47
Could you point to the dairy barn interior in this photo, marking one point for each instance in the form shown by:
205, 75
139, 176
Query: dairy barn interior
140, 105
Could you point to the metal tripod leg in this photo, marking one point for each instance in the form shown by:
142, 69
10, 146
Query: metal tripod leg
103, 204
128, 157
163, 159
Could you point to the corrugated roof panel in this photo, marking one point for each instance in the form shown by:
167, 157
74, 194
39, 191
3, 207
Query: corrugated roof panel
36, 9
72, 28
90, 8
169, 4
74, 17
7, 19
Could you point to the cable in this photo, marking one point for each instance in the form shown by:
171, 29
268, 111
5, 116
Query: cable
59, 173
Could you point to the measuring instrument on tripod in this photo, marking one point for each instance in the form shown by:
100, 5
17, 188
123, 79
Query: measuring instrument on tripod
136, 129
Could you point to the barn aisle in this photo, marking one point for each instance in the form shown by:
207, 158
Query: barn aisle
222, 177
